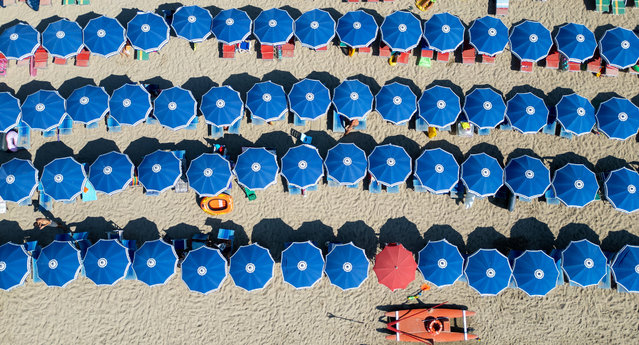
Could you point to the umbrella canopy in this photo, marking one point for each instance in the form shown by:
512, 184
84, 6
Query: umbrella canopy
19, 41
527, 113
315, 29
302, 166
485, 108
439, 106
584, 263
58, 263
482, 174
155, 262
252, 267
621, 189
396, 103
440, 263
346, 163
130, 104
111, 172
273, 27
14, 265
489, 35
88, 104
309, 99
106, 262
527, 177
395, 267
209, 174
389, 164
63, 39
104, 36
175, 108
18, 180
575, 185
530, 41
222, 106
353, 99
159, 171
43, 110
267, 101
256, 168
63, 179
147, 31
618, 118
619, 47
192, 23
535, 273
401, 31
488, 272
302, 264
357, 29
9, 112
346, 266
204, 270
232, 26
444, 32
625, 267
576, 42
437, 170
575, 114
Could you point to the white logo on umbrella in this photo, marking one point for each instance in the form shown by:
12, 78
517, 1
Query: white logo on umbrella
102, 262
390, 162
156, 168
314, 25
439, 168
208, 172
250, 268
490, 273
230, 21
126, 103
191, 19
58, 178
485, 172
487, 105
492, 32
13, 37
302, 165
442, 263
266, 97
445, 29
172, 105
581, 111
529, 174
539, 274
402, 28
533, 38
256, 167
622, 117
302, 266
10, 179
354, 96
40, 107
441, 104
397, 100
632, 189
589, 263
357, 25
101, 33
347, 161
53, 264
310, 97
625, 44
150, 263
60, 34
145, 28
347, 267
530, 110
84, 100
220, 103
201, 271
272, 23
107, 170
580, 38
637, 269
579, 184
3, 266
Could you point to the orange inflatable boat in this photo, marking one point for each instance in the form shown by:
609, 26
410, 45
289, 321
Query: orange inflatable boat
428, 326
217, 205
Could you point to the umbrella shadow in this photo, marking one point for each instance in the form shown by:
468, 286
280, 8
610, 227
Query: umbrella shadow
141, 147
364, 141
11, 232
601, 30
446, 146
7, 156
233, 142
50, 151
181, 231
315, 231
488, 149
411, 147
252, 11
602, 97
575, 232
5, 88
530, 233
362, 235
32, 87
408, 82
96, 227
84, 19
369, 81
618, 239
569, 157
272, 234
522, 152
214, 10
193, 148
401, 230
240, 236
241, 82
329, 80
524, 89
141, 230
199, 86
93, 149
610, 163
45, 22
68, 86
555, 95
5, 26
114, 81
486, 238
167, 7
335, 14
282, 140
284, 78
446, 232
159, 81
126, 15
293, 12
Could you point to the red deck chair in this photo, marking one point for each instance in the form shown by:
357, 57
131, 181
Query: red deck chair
41, 57
4, 63
322, 49
427, 53
82, 59
288, 49
384, 50
574, 66
611, 71
228, 51
443, 57
552, 60
526, 66
59, 61
403, 58
267, 52
487, 59
364, 50
468, 54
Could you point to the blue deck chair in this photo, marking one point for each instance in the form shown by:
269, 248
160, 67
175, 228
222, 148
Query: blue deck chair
550, 128
115, 235
551, 198
332, 183
113, 125
92, 125
505, 126
361, 125
45, 202
311, 188
198, 240
374, 187
564, 134
257, 121
24, 135
421, 125
34, 271
483, 131
297, 121
151, 120
132, 247
227, 235
512, 198
458, 191
215, 132
392, 190
66, 127
235, 129
193, 124
354, 185
50, 133
556, 255
294, 190
338, 126
88, 192
418, 186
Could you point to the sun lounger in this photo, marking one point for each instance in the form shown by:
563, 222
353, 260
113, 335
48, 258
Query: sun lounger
66, 127
82, 59
141, 55
618, 6
443, 57
602, 6
50, 133
421, 125
418, 186
501, 7
550, 128
24, 135
59, 61
594, 65
564, 134
464, 129
306, 139
84, 2
392, 190
458, 191
33, 71
4, 63
526, 66
113, 125
256, 121
469, 200
228, 51
468, 54
69, 2
487, 59
505, 126
332, 183
364, 50
361, 125
292, 190
384, 50
267, 52
552, 60
151, 120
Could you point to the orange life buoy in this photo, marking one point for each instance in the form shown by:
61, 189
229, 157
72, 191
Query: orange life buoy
434, 326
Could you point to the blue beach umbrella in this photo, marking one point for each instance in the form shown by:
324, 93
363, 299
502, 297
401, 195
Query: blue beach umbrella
175, 108
106, 262
88, 104
575, 114
222, 106
302, 264
273, 27
209, 174
437, 170
256, 168
155, 262
576, 42
619, 47
104, 36
315, 29
535, 273
58, 263
353, 99
618, 118
625, 268
18, 180
63, 38
401, 31
440, 263
192, 23
14, 265
444, 32
130, 104
489, 35
111, 172
527, 177
309, 99
43, 110
439, 106
252, 267
302, 166
527, 113
488, 272
482, 174
147, 32
389, 164
63, 179
484, 108
396, 103
357, 29
584, 263
267, 101
232, 26
346, 163
159, 171
530, 41
346, 266
204, 270
575, 185
621, 190
9, 112
19, 41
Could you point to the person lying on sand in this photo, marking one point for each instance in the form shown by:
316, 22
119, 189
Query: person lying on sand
350, 125
42, 223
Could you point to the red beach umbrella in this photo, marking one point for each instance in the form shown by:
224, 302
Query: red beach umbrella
395, 266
